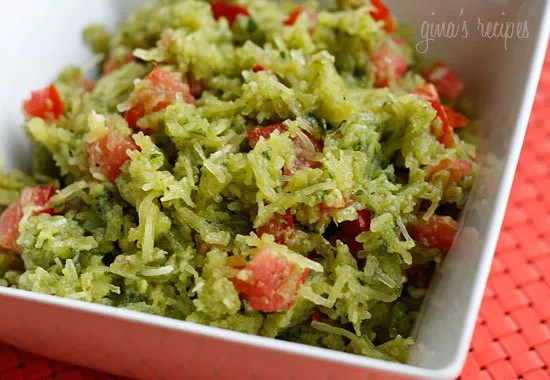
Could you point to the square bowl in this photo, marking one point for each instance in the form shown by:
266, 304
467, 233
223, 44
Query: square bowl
497, 47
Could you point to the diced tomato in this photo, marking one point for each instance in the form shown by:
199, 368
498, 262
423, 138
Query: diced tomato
269, 282
255, 134
196, 87
87, 83
304, 150
447, 82
109, 153
114, 62
10, 218
280, 226
228, 11
390, 66
456, 120
45, 104
349, 230
438, 232
382, 13
429, 93
257, 68
9, 227
316, 315
38, 196
293, 16
155, 92
457, 168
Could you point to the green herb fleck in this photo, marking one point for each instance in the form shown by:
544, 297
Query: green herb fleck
251, 25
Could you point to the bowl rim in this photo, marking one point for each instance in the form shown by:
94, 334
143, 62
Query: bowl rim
449, 371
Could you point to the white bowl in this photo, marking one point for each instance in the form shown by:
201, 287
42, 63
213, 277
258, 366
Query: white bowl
39, 37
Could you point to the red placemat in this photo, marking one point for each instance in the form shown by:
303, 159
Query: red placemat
512, 337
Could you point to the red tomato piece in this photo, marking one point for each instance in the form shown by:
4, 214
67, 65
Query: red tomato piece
196, 87
293, 16
255, 134
257, 68
316, 315
429, 93
45, 104
228, 11
305, 150
269, 282
438, 232
12, 215
87, 83
349, 230
382, 13
389, 65
109, 153
9, 227
456, 120
457, 168
447, 82
114, 63
38, 196
155, 92
280, 226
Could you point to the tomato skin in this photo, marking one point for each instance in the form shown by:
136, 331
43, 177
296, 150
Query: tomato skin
438, 232
265, 132
458, 169
455, 119
389, 65
87, 84
45, 104
429, 93
155, 92
257, 68
228, 11
305, 151
38, 196
12, 215
316, 315
445, 79
107, 154
295, 14
269, 282
382, 13
349, 230
280, 226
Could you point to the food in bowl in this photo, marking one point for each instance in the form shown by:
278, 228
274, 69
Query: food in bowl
263, 167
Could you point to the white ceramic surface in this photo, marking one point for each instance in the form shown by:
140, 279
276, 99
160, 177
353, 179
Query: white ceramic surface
39, 37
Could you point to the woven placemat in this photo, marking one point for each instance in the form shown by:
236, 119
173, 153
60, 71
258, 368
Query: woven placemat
512, 337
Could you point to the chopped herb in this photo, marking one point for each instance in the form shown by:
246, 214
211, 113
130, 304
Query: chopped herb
251, 25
